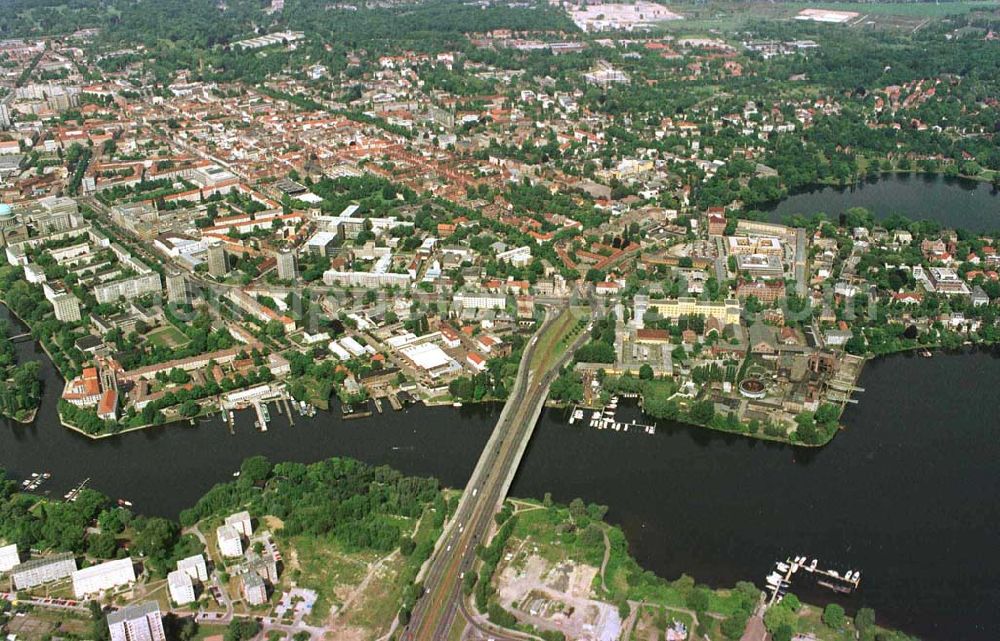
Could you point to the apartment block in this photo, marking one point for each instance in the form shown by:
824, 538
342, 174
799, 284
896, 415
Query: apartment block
101, 577
137, 622
44, 570
181, 587
67, 308
230, 543
195, 567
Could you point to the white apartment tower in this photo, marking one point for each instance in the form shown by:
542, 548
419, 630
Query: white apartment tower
137, 622
67, 308
286, 265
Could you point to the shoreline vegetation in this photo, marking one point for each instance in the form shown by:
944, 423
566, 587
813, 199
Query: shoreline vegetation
659, 409
402, 519
536, 537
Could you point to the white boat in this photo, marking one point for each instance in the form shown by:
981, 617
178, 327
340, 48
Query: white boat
456, 404
782, 567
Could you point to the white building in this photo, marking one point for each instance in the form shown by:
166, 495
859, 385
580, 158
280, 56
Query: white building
286, 265
101, 577
181, 587
365, 279
431, 359
8, 558
67, 308
518, 257
177, 289
254, 589
352, 346
137, 622
195, 567
128, 288
241, 522
479, 301
230, 543
339, 352
38, 571
34, 274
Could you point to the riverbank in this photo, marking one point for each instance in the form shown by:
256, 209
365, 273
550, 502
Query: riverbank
28, 418
689, 500
563, 569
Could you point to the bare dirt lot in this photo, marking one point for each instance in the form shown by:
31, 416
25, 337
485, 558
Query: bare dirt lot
558, 597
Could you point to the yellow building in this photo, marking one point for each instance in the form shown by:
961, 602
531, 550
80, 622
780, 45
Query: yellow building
727, 312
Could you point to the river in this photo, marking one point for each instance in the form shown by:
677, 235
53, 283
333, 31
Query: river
907, 494
955, 203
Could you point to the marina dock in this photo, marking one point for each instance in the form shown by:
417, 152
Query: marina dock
73, 494
780, 580
35, 482
605, 419
263, 418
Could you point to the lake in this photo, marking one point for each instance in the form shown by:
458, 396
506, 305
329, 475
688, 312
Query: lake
954, 203
907, 494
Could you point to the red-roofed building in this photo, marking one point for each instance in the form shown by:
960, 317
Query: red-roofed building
716, 224
107, 409
478, 362
450, 337
84, 390
908, 298
606, 288
653, 336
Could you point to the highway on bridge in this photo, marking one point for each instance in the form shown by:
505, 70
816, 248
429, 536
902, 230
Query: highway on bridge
435, 612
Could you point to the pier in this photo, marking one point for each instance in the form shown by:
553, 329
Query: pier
780, 579
605, 419
258, 398
73, 494
262, 418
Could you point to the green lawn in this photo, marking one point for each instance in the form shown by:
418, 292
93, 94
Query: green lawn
557, 338
327, 568
905, 9
168, 336
728, 18
542, 527
205, 631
